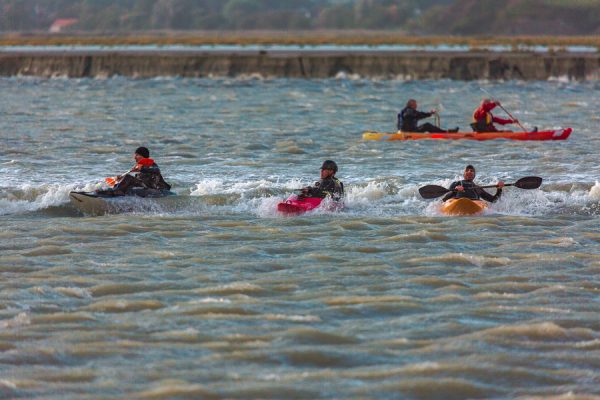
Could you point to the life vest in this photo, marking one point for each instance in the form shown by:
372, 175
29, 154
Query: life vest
336, 192
151, 177
483, 123
470, 191
146, 162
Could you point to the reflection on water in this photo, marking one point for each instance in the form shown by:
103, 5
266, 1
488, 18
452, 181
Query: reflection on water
216, 296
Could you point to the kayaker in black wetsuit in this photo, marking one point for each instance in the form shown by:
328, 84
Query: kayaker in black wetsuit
467, 188
328, 185
409, 117
148, 181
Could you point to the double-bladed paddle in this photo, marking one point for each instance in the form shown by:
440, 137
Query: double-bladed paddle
433, 191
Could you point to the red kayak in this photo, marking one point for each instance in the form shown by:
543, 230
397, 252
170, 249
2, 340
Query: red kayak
298, 205
559, 134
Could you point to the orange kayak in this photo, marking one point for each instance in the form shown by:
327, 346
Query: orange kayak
559, 134
463, 206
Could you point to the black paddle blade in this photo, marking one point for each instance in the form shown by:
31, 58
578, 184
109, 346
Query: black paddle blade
432, 191
529, 182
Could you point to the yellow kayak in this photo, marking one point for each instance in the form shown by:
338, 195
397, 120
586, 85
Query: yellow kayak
463, 206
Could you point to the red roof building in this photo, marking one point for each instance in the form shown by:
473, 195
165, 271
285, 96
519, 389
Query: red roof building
60, 24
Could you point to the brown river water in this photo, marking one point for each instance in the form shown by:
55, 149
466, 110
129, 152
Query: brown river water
214, 295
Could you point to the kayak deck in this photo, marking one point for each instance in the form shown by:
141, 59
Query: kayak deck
295, 205
558, 134
91, 203
463, 206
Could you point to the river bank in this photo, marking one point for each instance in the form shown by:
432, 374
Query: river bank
311, 64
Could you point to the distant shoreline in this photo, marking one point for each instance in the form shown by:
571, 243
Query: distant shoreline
405, 65
308, 38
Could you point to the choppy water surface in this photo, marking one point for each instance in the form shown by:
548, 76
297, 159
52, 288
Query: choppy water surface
216, 296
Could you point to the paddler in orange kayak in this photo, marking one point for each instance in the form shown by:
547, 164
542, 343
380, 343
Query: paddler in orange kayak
468, 189
148, 176
409, 117
328, 185
483, 120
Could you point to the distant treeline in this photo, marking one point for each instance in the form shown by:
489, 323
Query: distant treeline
460, 17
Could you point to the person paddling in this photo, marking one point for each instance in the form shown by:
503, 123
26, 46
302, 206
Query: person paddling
409, 117
148, 177
483, 120
466, 188
328, 185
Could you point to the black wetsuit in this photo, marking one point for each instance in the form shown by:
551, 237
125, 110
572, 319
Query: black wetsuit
326, 187
408, 120
148, 178
472, 191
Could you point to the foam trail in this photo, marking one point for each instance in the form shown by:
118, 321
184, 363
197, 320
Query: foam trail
28, 198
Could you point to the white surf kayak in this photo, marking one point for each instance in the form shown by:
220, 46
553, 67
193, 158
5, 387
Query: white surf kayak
91, 203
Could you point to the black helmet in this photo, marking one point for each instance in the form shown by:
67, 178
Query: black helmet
143, 151
328, 164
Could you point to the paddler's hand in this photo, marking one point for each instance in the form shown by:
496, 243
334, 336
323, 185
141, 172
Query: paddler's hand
459, 188
515, 121
433, 112
500, 185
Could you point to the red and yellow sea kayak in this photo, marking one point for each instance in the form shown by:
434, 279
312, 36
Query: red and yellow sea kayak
463, 206
559, 134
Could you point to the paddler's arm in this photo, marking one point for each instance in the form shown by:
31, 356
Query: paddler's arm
503, 121
421, 114
488, 197
134, 169
312, 191
452, 191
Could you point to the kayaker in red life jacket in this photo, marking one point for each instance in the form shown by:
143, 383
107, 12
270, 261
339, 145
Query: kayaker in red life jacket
148, 176
328, 185
483, 120
409, 117
467, 188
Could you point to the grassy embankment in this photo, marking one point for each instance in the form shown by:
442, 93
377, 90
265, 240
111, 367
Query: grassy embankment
291, 38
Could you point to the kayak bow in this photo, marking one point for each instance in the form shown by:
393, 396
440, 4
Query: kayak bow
91, 203
295, 205
463, 206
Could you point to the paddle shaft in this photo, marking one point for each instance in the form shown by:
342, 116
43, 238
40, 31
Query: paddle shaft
528, 182
494, 186
513, 118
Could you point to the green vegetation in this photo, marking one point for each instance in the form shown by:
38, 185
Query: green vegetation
321, 37
515, 17
423, 17
127, 15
